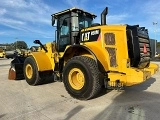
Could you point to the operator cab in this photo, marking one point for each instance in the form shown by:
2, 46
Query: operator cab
69, 24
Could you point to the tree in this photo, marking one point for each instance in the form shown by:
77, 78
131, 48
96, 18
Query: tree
20, 45
158, 44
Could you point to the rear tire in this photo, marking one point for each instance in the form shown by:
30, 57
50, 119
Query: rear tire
81, 78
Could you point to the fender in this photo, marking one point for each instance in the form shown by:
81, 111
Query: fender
80, 46
42, 61
100, 67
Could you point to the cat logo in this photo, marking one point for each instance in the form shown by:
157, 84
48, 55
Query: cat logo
90, 35
85, 36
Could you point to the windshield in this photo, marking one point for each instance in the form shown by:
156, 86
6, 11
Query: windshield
80, 21
84, 21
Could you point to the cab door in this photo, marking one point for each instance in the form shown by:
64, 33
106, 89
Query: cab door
63, 31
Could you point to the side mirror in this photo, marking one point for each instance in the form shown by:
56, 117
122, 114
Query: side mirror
36, 42
53, 20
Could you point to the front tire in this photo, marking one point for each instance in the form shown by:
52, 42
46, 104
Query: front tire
81, 78
31, 73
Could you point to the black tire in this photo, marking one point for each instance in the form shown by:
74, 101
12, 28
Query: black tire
34, 79
92, 82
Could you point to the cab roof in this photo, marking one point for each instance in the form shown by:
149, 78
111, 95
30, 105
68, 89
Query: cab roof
74, 9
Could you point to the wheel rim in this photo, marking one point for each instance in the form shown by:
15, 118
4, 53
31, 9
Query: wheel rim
76, 78
29, 71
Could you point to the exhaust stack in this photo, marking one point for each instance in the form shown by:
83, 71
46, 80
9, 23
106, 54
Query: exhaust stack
103, 16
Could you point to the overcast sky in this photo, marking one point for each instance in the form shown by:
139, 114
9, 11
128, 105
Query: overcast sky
31, 19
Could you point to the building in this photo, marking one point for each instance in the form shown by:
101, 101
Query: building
3, 46
153, 44
158, 50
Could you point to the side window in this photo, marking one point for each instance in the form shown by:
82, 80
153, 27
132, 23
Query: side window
65, 27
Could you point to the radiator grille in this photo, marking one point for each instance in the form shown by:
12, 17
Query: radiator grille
109, 39
112, 56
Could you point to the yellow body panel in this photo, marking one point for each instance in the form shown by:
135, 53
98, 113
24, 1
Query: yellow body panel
99, 51
46, 60
42, 60
136, 76
133, 76
99, 47
121, 71
153, 68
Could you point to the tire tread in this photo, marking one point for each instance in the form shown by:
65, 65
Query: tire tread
97, 84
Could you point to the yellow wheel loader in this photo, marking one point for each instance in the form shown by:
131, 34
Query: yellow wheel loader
86, 56
2, 53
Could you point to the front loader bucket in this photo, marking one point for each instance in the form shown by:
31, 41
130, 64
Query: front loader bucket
16, 69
